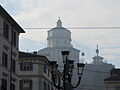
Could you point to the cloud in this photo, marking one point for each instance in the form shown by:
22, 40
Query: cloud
74, 13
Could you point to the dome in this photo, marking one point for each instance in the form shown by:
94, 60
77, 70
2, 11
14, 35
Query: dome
59, 35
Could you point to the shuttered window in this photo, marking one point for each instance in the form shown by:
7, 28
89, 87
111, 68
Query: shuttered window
6, 30
4, 84
4, 59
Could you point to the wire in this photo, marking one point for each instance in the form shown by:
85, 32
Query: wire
81, 27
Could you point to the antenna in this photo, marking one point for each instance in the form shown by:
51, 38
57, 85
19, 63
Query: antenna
97, 50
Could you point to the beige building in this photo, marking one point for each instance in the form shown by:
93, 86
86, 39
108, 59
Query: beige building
34, 72
9, 46
113, 82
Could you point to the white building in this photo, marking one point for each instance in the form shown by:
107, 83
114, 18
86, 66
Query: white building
95, 73
59, 39
9, 46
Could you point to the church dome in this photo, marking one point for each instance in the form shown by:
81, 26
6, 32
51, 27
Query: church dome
59, 34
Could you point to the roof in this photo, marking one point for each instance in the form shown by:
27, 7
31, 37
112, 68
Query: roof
5, 15
30, 56
62, 48
112, 79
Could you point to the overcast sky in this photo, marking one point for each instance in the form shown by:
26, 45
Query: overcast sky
73, 13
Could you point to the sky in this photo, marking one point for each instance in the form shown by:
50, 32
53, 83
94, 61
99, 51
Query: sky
73, 13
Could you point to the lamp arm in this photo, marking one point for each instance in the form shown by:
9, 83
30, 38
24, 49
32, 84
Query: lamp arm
77, 83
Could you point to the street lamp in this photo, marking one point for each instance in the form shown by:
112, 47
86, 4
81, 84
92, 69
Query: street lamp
67, 72
65, 55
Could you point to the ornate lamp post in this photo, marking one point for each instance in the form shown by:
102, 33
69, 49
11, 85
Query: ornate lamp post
67, 72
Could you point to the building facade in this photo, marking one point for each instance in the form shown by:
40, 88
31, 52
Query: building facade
113, 82
34, 72
9, 46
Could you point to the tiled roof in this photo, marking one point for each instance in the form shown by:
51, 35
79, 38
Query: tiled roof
6, 16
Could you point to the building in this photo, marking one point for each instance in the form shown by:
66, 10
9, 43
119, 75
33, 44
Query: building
34, 72
113, 82
59, 39
95, 73
9, 46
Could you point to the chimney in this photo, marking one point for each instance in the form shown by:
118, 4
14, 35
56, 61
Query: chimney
35, 52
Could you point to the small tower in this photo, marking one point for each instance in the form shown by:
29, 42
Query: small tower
97, 58
59, 23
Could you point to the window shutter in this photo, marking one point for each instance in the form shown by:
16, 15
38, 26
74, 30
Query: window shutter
30, 84
21, 84
21, 66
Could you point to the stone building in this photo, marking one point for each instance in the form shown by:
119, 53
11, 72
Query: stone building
34, 72
9, 46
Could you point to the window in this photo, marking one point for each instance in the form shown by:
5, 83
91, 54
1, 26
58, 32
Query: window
14, 38
26, 84
12, 86
48, 72
26, 66
48, 87
6, 30
4, 59
44, 68
13, 66
44, 86
4, 84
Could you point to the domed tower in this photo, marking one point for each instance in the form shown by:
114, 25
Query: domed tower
59, 39
59, 36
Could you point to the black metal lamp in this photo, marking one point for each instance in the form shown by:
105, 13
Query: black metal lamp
71, 66
65, 55
80, 67
54, 66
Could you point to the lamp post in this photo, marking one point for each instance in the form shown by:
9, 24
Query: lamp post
67, 72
